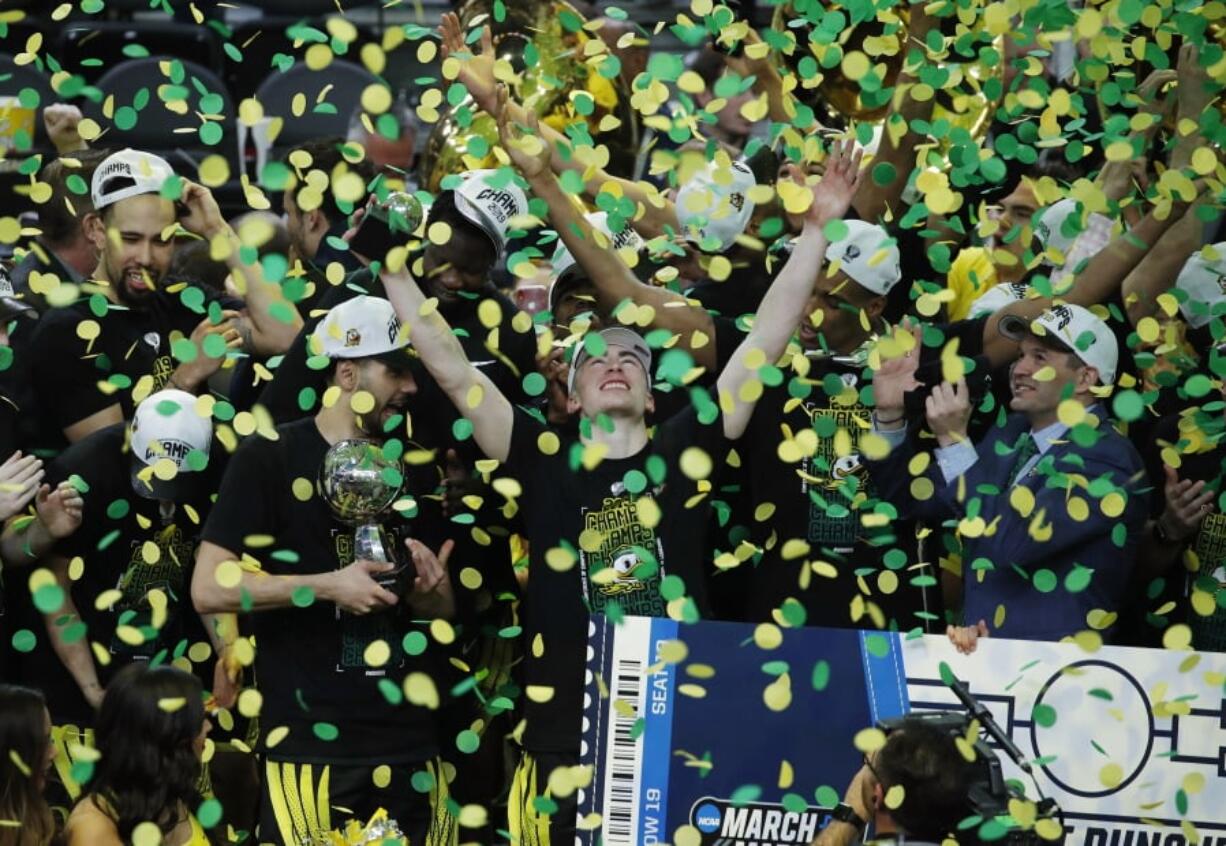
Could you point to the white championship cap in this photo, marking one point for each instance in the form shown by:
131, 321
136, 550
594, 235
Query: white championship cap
627, 238
715, 203
1204, 282
997, 297
868, 255
167, 426
363, 327
128, 173
490, 209
1077, 329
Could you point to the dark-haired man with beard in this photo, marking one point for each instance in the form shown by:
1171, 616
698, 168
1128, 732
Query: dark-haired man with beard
95, 359
331, 649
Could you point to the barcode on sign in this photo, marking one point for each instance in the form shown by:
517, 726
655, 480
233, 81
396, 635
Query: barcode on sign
625, 756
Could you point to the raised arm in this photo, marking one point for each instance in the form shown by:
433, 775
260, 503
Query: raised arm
614, 281
872, 200
783, 307
477, 72
270, 322
472, 392
1157, 271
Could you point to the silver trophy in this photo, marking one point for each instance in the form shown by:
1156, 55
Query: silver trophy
360, 485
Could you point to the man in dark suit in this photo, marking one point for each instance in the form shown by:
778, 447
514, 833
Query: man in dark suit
1049, 506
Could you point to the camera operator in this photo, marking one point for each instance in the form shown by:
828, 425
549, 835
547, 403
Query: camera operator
914, 789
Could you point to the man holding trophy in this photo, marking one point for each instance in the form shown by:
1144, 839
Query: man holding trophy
294, 537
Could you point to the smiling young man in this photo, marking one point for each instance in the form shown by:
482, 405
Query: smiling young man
1050, 502
94, 359
616, 517
320, 616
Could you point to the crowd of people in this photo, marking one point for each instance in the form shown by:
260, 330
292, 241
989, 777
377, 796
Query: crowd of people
782, 374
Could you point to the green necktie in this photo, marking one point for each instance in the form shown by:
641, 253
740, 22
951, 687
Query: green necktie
1026, 450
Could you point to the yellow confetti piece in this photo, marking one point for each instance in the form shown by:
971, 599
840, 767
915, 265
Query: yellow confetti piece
694, 691
687, 835
419, 689
442, 631
376, 98
796, 198
673, 651
786, 775
539, 693
1111, 775
146, 834
229, 574
377, 653
778, 694
250, 703
318, 56
381, 776
894, 797
1178, 636
869, 740
767, 636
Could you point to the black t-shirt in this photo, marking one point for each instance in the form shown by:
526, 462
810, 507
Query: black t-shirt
597, 544
74, 377
134, 546
829, 543
1197, 439
311, 661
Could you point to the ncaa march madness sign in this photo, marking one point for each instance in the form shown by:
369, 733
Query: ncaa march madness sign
745, 734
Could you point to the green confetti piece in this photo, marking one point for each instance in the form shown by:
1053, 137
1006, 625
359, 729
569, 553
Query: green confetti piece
1078, 579
635, 482
468, 741
1044, 581
878, 645
184, 350
303, 597
745, 794
947, 674
826, 796
214, 346
1105, 695
422, 781
235, 54
534, 384
209, 813
821, 675
414, 643
391, 692
118, 509
462, 429
49, 598
24, 640
326, 732
1044, 715
210, 133
125, 118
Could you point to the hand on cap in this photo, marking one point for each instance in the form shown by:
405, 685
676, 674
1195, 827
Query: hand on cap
20, 477
203, 216
529, 152
61, 121
833, 193
60, 511
476, 70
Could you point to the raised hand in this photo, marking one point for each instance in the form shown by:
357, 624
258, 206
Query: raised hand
1187, 504
529, 152
20, 477
61, 121
432, 594
833, 193
948, 408
1193, 93
190, 375
896, 376
476, 70
60, 511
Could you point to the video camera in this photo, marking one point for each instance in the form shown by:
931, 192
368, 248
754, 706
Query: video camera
989, 793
